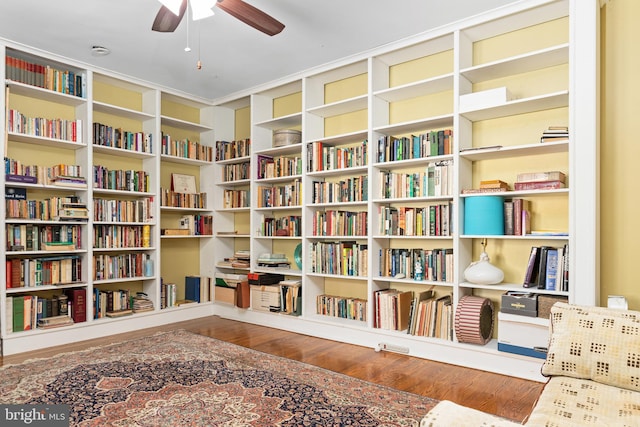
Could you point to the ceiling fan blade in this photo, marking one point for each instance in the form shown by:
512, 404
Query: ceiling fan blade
166, 21
251, 16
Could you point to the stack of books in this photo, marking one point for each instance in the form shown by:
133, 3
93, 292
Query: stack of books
555, 134
69, 181
273, 260
489, 186
540, 181
141, 303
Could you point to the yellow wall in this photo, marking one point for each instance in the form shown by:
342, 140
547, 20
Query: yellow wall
619, 150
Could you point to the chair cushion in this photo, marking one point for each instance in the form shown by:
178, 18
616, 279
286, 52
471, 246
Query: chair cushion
567, 401
594, 343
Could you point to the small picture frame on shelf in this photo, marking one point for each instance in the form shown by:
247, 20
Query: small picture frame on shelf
181, 183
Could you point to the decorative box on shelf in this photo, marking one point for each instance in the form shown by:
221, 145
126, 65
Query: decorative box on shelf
284, 137
484, 99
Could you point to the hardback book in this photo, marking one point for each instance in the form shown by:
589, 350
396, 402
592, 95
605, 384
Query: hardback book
403, 305
533, 265
192, 288
519, 206
508, 217
174, 232
541, 281
494, 183
78, 301
54, 321
538, 185
21, 178
18, 313
58, 246
541, 176
552, 269
119, 313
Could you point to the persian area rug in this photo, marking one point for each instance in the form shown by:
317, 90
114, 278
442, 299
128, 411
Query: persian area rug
180, 378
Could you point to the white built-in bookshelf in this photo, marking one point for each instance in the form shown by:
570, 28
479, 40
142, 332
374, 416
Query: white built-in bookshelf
366, 158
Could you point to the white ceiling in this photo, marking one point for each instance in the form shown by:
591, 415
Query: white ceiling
234, 56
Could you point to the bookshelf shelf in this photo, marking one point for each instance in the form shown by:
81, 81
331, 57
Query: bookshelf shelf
416, 89
506, 152
49, 142
443, 121
340, 107
520, 106
530, 61
18, 88
114, 151
121, 111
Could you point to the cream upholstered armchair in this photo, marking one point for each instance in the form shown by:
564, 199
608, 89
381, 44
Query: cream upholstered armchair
593, 365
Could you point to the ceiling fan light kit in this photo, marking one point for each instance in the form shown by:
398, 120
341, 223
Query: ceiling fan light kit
172, 5
172, 12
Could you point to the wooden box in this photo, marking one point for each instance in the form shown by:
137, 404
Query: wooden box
546, 301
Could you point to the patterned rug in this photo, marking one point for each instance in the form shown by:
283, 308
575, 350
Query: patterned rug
180, 378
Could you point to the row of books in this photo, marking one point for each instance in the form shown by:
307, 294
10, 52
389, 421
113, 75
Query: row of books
352, 189
197, 225
343, 307
199, 288
417, 264
182, 200
227, 150
111, 303
33, 237
233, 199
118, 266
325, 157
282, 226
548, 268
15, 171
340, 223
67, 130
431, 316
435, 180
236, 172
45, 76
280, 196
432, 220
517, 217
28, 312
168, 294
433, 143
276, 167
118, 236
54, 208
339, 258
186, 148
43, 271
421, 314
109, 136
116, 210
119, 179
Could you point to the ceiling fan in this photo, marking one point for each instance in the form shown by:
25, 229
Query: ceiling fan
172, 11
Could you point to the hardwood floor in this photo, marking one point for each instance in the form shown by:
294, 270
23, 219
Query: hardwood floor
497, 394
